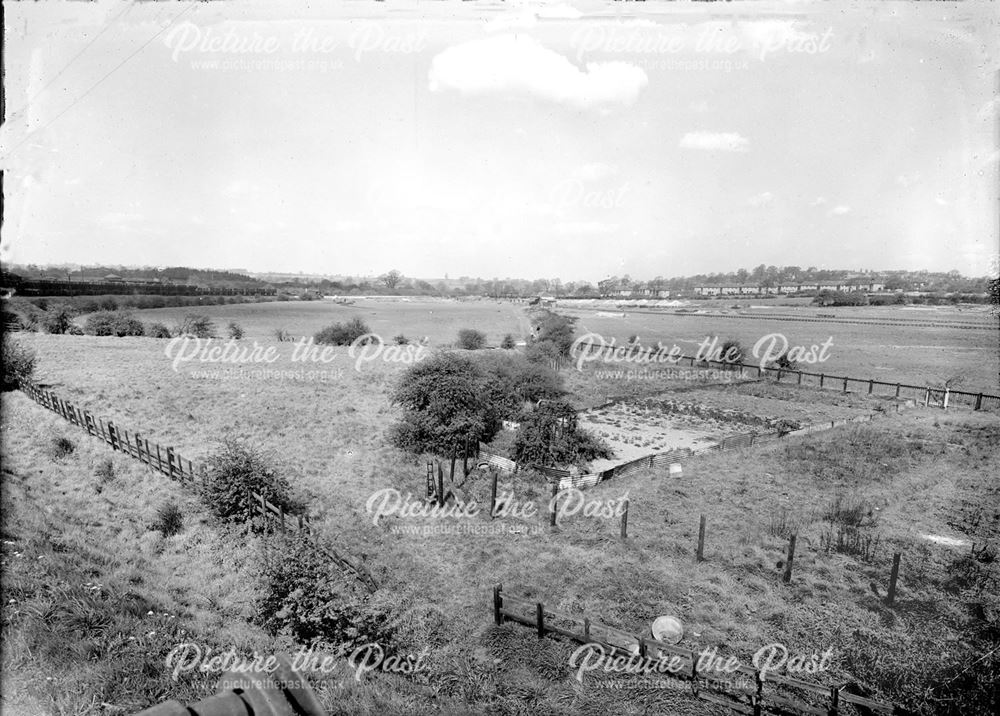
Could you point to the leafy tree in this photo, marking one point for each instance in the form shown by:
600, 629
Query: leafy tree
391, 279
731, 352
235, 330
550, 437
113, 323
512, 382
508, 342
446, 407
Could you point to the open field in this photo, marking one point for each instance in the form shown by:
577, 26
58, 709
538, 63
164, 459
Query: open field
920, 355
438, 319
912, 475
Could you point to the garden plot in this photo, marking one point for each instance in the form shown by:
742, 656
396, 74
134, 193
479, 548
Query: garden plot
633, 431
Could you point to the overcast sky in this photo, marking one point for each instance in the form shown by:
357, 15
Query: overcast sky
576, 140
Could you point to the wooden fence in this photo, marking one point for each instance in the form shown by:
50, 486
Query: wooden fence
169, 462
922, 394
762, 697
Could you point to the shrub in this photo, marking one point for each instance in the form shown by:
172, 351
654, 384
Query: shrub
235, 471
169, 520
281, 335
235, 330
17, 363
197, 325
401, 340
470, 339
58, 319
343, 334
61, 447
732, 352
108, 304
306, 597
157, 330
113, 323
105, 471
508, 342
74, 330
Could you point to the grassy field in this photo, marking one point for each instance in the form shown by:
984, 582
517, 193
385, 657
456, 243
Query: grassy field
917, 355
437, 319
907, 480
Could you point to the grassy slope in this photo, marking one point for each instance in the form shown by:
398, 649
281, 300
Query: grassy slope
330, 440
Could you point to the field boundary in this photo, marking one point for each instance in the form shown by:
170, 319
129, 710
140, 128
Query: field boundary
171, 463
937, 396
535, 615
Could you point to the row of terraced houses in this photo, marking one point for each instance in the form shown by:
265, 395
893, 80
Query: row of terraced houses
748, 289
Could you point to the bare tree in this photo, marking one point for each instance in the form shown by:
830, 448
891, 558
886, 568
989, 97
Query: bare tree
391, 279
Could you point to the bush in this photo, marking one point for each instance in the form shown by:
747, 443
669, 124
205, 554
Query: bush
281, 335
169, 520
470, 339
732, 352
113, 323
105, 471
235, 471
61, 447
58, 319
306, 597
197, 325
401, 340
235, 330
17, 363
508, 342
343, 334
157, 330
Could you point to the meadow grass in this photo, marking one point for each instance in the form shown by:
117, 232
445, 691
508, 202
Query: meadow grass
329, 437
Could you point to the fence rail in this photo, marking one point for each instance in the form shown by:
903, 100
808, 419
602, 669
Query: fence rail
619, 643
943, 397
169, 462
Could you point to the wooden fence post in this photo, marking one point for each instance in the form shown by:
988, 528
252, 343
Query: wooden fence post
800, 378
625, 521
440, 485
979, 402
897, 389
871, 384
113, 434
891, 596
700, 555
586, 630
845, 383
493, 493
552, 504
821, 377
927, 396
540, 619
497, 603
791, 556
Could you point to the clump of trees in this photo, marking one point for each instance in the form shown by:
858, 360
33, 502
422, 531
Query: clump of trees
113, 323
452, 401
551, 437
841, 298
553, 338
342, 334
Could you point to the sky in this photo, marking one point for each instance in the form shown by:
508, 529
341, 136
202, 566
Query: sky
576, 140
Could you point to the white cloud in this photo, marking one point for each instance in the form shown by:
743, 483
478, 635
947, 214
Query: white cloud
840, 210
595, 171
699, 106
940, 201
761, 199
714, 141
908, 180
522, 65
818, 201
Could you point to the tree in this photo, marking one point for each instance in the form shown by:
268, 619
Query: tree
731, 352
446, 408
391, 279
550, 437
